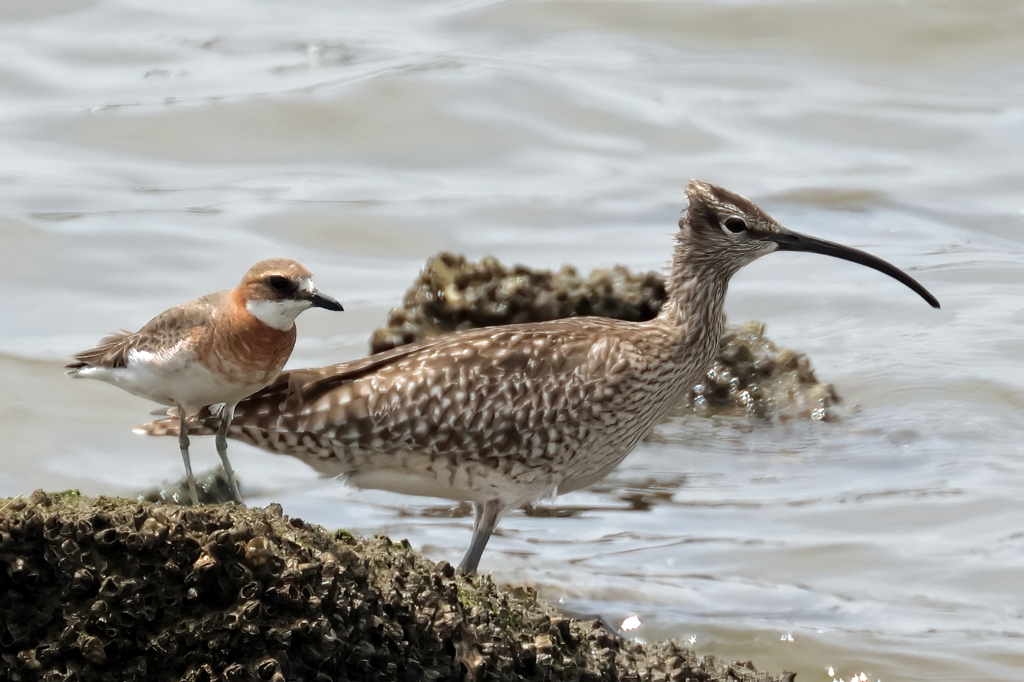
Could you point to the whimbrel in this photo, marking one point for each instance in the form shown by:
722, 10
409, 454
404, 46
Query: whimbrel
216, 349
503, 416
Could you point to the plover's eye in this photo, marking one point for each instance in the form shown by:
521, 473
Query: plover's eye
281, 284
734, 224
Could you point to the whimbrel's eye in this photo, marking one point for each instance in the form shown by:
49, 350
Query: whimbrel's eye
734, 224
281, 284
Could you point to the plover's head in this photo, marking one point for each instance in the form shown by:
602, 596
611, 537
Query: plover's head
276, 290
724, 231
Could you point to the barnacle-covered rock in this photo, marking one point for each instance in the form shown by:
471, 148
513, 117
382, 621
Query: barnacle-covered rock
751, 375
452, 293
114, 589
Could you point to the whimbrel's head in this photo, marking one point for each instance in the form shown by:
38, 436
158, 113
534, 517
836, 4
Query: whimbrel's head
276, 290
726, 231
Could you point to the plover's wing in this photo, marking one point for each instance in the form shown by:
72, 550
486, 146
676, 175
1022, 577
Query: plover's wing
168, 330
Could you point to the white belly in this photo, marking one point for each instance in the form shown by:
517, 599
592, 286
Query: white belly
415, 474
175, 379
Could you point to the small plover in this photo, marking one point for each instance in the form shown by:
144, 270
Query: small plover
216, 349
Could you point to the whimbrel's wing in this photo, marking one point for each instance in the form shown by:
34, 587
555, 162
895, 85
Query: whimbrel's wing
168, 330
482, 393
475, 361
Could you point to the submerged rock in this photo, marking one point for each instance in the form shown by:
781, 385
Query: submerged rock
751, 375
114, 589
213, 488
452, 293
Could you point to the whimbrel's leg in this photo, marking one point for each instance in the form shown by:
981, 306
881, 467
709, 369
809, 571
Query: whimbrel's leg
485, 517
226, 413
183, 445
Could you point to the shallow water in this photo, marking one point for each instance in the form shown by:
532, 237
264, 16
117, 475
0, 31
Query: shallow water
150, 154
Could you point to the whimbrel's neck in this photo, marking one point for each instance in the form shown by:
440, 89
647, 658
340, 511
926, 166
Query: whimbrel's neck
692, 312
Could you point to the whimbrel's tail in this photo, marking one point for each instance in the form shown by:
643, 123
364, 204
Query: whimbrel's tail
257, 416
203, 423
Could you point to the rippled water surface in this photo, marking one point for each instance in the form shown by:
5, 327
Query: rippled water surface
151, 152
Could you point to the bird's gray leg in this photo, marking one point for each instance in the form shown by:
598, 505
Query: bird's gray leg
226, 413
486, 516
183, 446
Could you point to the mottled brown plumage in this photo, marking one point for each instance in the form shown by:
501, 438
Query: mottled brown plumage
507, 415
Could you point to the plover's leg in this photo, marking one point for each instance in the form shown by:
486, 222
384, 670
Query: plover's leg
485, 518
183, 445
226, 413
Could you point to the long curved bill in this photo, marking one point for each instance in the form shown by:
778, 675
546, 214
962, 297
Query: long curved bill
794, 241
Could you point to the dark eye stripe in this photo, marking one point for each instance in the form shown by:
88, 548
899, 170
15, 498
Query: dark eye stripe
281, 284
